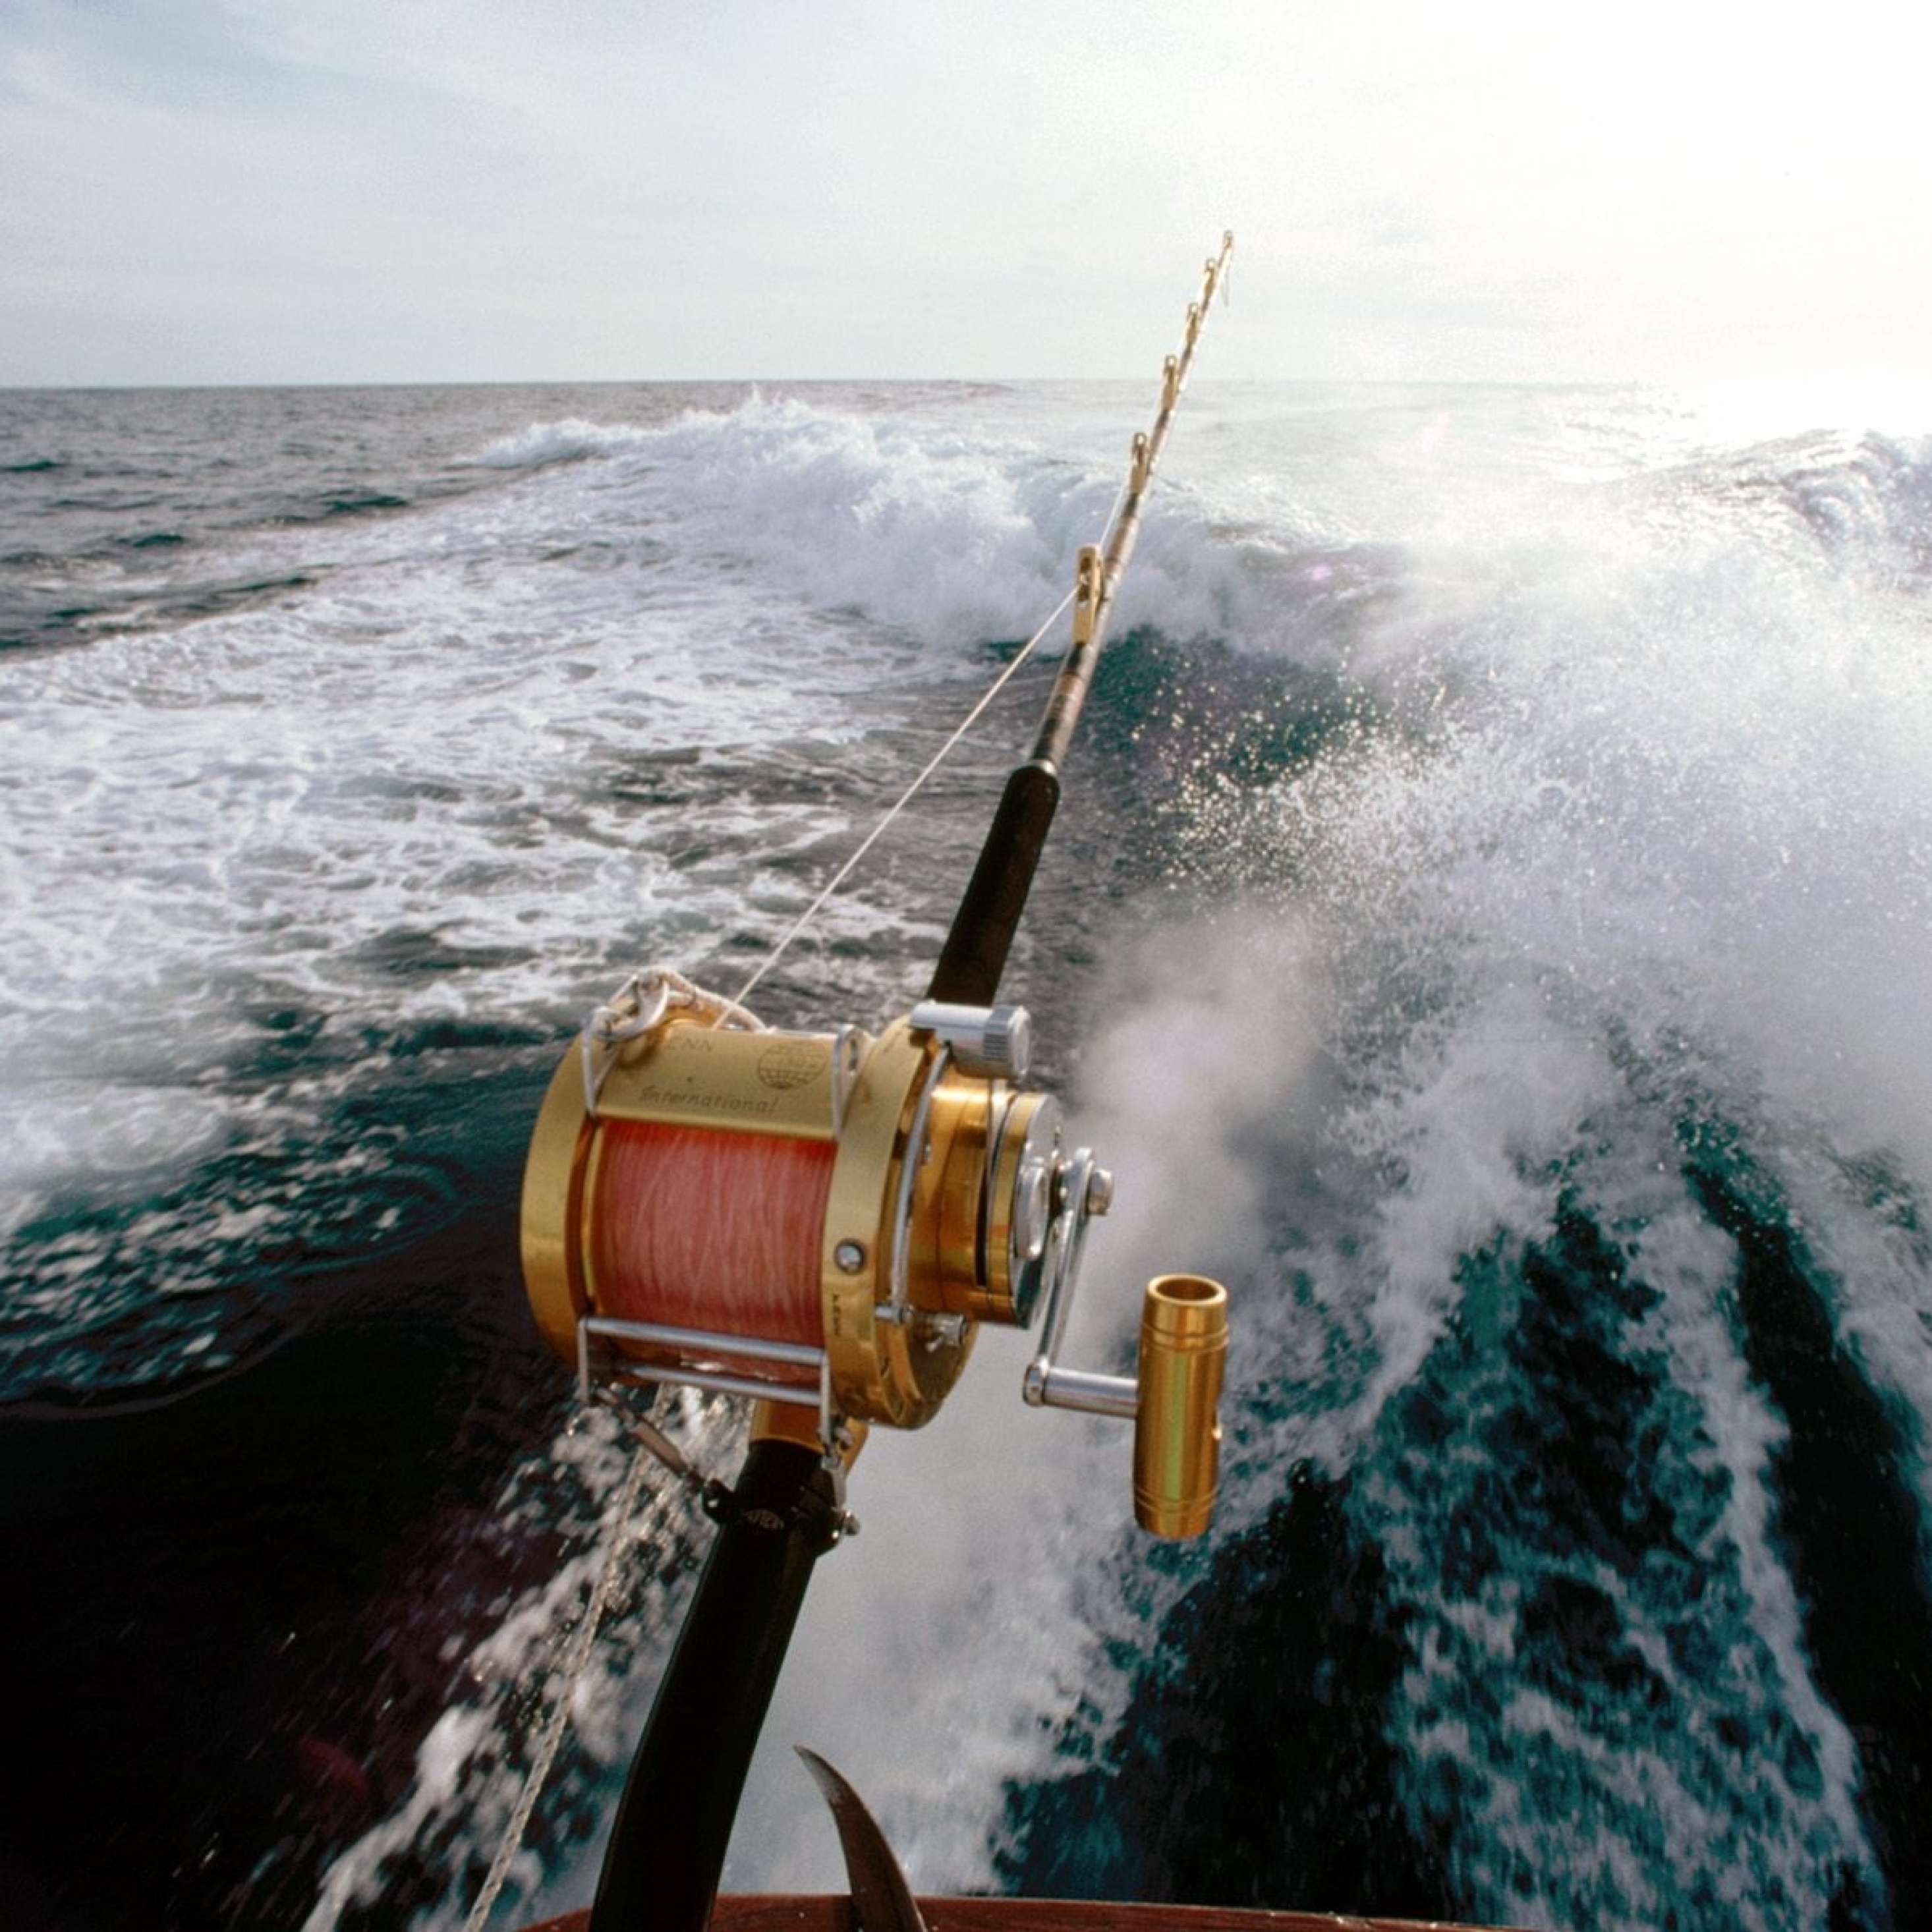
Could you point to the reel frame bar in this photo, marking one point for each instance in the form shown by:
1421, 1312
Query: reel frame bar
605, 1367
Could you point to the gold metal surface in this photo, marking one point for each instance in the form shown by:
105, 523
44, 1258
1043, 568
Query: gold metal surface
950, 1186
686, 1073
1178, 1431
1012, 1277
553, 1210
884, 1371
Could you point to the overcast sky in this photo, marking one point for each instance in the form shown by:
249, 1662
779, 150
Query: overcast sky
328, 190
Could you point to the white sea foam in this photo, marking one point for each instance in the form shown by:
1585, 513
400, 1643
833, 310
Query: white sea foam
1654, 836
563, 441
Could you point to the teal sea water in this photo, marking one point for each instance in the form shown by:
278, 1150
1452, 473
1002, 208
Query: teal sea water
1488, 928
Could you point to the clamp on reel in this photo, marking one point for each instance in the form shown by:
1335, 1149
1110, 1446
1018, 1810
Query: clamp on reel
819, 1222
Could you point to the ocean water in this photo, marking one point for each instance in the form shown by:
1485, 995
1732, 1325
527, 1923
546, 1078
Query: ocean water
1488, 928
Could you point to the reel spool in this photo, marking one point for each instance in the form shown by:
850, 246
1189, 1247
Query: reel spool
822, 1220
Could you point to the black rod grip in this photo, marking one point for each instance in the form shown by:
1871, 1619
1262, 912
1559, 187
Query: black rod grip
975, 952
667, 1845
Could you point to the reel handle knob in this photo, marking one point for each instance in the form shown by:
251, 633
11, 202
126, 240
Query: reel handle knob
1178, 1419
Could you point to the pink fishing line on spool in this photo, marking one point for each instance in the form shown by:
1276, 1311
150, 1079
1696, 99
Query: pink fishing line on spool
695, 1228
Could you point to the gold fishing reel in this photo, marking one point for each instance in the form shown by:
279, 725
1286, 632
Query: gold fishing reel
822, 1220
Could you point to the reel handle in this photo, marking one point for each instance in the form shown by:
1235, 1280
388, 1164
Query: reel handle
1174, 1400
1178, 1417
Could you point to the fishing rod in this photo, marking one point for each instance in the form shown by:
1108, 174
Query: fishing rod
819, 1222
974, 955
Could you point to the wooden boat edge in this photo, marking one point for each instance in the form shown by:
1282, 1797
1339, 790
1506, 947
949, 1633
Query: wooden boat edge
832, 1912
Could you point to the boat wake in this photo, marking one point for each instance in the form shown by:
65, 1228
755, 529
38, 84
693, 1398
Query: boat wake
1488, 933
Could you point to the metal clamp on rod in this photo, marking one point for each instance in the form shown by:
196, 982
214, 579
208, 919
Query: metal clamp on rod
1088, 587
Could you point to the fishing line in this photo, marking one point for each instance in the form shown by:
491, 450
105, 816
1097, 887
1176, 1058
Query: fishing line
911, 791
566, 1697
711, 1230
